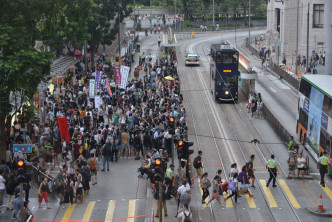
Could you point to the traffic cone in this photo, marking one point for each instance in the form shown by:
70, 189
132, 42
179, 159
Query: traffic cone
320, 204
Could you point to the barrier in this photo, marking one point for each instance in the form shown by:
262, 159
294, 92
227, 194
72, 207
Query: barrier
286, 76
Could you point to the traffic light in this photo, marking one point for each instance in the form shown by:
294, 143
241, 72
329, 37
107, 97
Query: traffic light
171, 123
21, 171
159, 171
183, 149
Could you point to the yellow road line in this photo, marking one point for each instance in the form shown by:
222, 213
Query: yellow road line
229, 203
268, 194
327, 191
110, 211
131, 210
200, 189
289, 194
68, 213
88, 211
250, 201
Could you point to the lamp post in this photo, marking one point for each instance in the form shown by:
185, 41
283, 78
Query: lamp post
249, 19
213, 21
151, 16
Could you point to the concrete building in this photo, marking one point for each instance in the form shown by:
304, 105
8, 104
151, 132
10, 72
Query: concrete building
283, 18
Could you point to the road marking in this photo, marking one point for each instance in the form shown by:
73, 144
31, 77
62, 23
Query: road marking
250, 201
110, 211
88, 211
229, 203
327, 191
131, 210
68, 213
273, 90
201, 190
289, 194
268, 194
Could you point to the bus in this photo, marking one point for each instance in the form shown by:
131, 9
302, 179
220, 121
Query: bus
314, 120
224, 72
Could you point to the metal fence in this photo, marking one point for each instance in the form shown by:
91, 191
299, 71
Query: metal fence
252, 49
286, 76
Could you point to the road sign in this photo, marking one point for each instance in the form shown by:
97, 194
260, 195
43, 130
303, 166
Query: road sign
24, 148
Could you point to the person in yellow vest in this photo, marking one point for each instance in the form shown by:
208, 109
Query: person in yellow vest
323, 163
169, 180
272, 167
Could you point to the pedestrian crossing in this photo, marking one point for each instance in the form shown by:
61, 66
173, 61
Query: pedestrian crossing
272, 196
104, 210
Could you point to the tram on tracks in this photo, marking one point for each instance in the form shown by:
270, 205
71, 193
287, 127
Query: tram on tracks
224, 72
314, 119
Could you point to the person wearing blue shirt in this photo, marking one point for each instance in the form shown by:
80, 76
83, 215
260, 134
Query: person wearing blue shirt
17, 206
323, 163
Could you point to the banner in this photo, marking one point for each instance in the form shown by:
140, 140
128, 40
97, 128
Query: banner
97, 102
117, 75
109, 90
99, 76
92, 84
124, 76
63, 127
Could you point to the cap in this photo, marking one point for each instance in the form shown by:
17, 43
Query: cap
171, 165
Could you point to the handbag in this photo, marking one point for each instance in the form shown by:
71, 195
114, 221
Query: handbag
38, 192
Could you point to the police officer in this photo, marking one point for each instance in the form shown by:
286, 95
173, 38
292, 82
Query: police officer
272, 167
169, 180
323, 162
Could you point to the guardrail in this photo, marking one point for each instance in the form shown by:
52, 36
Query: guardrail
286, 76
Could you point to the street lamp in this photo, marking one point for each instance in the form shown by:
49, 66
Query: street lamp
249, 19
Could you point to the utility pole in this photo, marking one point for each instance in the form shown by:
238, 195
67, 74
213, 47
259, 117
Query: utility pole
175, 16
151, 16
119, 30
297, 36
307, 59
85, 58
213, 21
249, 19
328, 40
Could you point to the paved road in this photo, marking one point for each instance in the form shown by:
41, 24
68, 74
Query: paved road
120, 194
232, 121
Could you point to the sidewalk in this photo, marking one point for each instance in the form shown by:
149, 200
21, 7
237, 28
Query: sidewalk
281, 99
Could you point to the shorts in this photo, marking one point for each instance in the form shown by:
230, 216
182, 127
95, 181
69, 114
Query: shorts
251, 174
79, 191
93, 172
125, 145
302, 168
86, 185
48, 158
119, 147
199, 171
291, 168
215, 196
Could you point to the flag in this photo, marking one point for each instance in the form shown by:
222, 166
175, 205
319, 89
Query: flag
63, 127
117, 75
124, 76
109, 90
99, 75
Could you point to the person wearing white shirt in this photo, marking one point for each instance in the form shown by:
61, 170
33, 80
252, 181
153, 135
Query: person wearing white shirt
185, 213
2, 187
301, 166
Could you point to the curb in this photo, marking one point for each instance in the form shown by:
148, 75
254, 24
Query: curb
314, 211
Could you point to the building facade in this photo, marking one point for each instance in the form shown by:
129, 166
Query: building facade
283, 18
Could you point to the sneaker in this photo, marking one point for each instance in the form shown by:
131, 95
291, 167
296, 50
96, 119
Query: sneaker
274, 186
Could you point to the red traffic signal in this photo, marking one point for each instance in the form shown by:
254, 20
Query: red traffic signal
180, 144
158, 162
20, 163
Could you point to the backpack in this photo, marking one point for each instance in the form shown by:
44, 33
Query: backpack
68, 188
86, 175
93, 164
105, 134
186, 217
196, 163
208, 183
107, 149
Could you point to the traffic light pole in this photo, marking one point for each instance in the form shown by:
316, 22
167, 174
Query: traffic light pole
21, 216
160, 201
172, 147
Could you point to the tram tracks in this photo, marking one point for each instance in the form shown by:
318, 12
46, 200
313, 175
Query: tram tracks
257, 150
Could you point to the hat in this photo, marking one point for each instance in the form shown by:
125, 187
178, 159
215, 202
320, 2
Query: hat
172, 165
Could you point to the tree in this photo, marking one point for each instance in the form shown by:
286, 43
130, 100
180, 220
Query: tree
103, 21
21, 66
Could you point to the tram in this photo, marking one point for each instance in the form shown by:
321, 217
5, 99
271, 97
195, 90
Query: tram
224, 72
314, 120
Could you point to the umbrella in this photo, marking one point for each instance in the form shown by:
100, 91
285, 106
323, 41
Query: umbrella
169, 78
77, 53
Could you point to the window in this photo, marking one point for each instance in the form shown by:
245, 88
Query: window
229, 58
318, 16
305, 88
230, 81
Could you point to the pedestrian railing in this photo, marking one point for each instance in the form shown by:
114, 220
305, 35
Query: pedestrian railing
252, 49
286, 76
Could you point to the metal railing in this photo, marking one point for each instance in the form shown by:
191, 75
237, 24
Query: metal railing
286, 76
